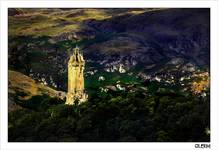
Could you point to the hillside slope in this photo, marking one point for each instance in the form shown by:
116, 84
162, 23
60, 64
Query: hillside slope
23, 88
141, 40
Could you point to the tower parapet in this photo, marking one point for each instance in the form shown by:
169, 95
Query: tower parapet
76, 65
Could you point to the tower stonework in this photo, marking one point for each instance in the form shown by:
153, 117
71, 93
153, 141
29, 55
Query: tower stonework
76, 89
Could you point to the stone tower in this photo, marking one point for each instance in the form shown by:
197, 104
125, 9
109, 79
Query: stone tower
76, 66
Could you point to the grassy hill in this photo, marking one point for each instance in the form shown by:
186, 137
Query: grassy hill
23, 88
143, 40
53, 22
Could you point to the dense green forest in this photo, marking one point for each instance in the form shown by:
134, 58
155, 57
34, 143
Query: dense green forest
115, 116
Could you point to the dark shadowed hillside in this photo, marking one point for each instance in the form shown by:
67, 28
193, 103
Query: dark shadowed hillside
136, 39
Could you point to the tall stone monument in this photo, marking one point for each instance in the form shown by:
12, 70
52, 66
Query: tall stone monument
76, 89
